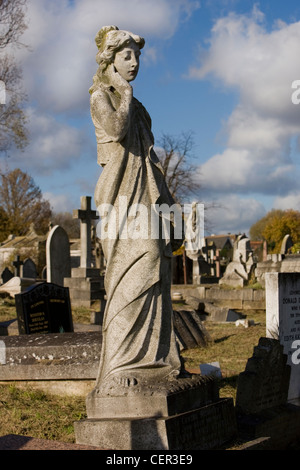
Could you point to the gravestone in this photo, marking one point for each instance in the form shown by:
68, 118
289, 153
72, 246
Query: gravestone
239, 270
262, 406
286, 245
85, 214
44, 308
265, 382
29, 269
6, 275
86, 285
58, 256
283, 320
18, 266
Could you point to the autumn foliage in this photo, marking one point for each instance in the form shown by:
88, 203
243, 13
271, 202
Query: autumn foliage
275, 225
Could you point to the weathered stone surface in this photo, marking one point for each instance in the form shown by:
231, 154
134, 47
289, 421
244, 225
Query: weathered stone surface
205, 428
148, 400
265, 382
283, 320
51, 356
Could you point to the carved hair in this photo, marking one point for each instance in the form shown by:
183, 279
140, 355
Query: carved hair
109, 41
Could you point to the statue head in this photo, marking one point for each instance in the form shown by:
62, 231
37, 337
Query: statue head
110, 41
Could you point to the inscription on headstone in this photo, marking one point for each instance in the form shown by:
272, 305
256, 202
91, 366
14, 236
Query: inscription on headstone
283, 320
44, 308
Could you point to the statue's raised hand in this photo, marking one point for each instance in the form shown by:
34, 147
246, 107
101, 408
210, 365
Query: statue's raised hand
116, 80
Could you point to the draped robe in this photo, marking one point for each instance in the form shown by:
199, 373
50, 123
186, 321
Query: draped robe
138, 334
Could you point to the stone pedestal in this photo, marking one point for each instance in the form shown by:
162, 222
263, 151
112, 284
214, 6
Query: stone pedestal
86, 286
184, 414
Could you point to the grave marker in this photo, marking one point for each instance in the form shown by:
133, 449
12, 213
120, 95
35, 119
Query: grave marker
17, 265
86, 215
44, 308
6, 275
29, 269
283, 320
58, 256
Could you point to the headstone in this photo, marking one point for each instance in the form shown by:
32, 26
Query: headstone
283, 320
6, 275
44, 308
239, 270
17, 265
58, 256
29, 269
265, 382
86, 215
286, 245
86, 285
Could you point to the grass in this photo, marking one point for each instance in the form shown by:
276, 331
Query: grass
38, 414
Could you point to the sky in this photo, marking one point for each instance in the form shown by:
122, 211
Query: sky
221, 69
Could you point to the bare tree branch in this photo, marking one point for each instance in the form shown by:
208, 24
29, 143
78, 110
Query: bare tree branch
175, 154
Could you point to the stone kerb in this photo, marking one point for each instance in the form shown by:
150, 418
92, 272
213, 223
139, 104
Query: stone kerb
62, 357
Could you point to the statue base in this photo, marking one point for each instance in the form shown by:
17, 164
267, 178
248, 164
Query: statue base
183, 414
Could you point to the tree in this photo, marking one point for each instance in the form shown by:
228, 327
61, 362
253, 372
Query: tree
13, 121
275, 225
66, 221
175, 154
12, 22
256, 230
23, 203
4, 224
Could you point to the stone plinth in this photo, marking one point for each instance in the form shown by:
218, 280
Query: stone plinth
178, 415
86, 286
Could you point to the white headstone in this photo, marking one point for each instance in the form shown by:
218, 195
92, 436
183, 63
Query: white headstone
58, 256
283, 320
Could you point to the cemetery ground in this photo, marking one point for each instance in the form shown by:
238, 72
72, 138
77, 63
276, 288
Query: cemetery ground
35, 413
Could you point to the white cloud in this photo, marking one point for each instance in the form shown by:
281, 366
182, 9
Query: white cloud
53, 145
60, 64
59, 202
289, 201
261, 65
234, 214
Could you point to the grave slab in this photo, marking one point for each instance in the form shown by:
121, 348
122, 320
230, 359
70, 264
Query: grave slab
283, 320
63, 356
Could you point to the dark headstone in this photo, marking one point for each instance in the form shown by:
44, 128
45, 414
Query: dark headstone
265, 382
18, 263
29, 269
44, 308
6, 275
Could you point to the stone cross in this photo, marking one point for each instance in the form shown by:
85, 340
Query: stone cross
86, 215
17, 265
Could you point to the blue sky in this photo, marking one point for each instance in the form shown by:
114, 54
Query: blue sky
222, 69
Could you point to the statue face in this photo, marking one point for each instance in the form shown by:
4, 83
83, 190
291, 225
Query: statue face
127, 61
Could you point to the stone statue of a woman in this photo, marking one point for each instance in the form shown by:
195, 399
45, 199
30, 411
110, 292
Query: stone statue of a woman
139, 344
